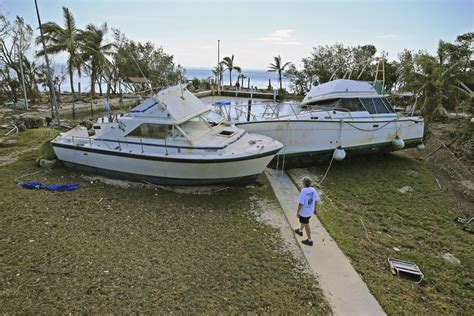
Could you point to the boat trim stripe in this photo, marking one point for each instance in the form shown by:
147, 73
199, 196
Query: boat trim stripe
160, 158
144, 110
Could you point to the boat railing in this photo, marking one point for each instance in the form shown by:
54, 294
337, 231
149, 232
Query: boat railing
122, 143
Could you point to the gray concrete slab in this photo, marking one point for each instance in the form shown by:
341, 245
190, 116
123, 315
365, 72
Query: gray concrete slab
343, 287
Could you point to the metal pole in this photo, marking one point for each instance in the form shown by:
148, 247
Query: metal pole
50, 80
218, 68
23, 81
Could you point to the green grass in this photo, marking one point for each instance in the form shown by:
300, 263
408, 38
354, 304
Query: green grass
419, 223
106, 249
38, 135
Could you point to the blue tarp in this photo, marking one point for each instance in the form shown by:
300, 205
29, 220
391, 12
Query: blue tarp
222, 102
52, 187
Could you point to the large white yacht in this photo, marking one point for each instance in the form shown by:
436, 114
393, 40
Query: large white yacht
171, 138
335, 117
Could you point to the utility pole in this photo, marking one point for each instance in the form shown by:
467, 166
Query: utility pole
54, 104
19, 48
218, 68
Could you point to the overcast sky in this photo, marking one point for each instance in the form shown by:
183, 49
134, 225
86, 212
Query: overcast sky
257, 30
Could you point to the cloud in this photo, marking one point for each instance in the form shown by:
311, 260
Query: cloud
283, 37
385, 36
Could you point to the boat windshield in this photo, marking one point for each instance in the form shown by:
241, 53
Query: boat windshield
371, 105
212, 118
195, 127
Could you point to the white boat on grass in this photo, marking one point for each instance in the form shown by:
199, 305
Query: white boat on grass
171, 138
335, 117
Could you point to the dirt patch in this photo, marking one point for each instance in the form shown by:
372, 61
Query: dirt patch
7, 158
269, 212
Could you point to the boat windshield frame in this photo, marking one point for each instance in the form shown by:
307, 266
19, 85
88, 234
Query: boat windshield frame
203, 118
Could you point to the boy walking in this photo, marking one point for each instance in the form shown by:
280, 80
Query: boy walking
307, 201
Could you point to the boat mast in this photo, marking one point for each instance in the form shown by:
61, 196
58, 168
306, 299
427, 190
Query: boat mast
48, 71
218, 68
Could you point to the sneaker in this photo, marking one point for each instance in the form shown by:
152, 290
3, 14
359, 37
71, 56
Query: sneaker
299, 232
307, 242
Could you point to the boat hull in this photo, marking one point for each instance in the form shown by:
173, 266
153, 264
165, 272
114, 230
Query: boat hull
163, 170
319, 138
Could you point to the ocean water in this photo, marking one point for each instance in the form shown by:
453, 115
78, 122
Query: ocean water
258, 78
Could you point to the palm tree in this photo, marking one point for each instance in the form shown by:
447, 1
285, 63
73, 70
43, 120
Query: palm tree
64, 39
218, 71
278, 67
95, 51
229, 63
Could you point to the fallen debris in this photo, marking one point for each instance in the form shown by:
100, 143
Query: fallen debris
399, 267
47, 164
464, 220
450, 258
412, 173
405, 189
26, 121
9, 141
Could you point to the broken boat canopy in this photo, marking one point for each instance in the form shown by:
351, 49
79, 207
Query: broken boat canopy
175, 103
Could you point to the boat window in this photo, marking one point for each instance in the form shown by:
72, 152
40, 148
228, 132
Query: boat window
380, 106
369, 105
148, 130
325, 104
377, 105
388, 105
352, 105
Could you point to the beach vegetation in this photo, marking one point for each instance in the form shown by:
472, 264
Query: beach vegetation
95, 52
279, 67
144, 60
66, 39
228, 63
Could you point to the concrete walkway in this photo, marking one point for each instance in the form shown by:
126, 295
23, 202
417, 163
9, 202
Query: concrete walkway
342, 286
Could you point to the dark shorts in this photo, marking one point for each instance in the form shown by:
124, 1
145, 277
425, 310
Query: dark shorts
304, 220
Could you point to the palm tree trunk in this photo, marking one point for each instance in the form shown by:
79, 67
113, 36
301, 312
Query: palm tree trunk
230, 78
73, 93
93, 76
99, 81
279, 75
